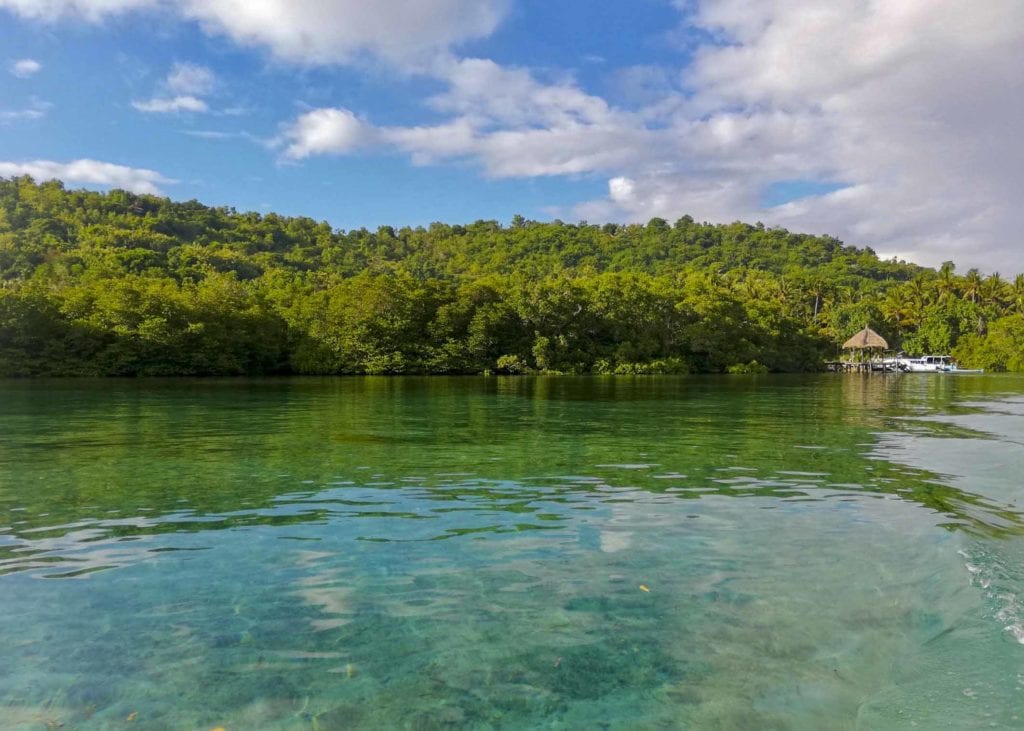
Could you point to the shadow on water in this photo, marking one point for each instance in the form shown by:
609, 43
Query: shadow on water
115, 462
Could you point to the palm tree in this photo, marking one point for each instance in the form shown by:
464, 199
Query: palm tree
945, 282
1017, 294
971, 285
993, 290
816, 290
899, 309
919, 291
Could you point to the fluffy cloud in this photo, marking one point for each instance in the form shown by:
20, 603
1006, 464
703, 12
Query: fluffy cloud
512, 124
519, 127
171, 104
487, 92
309, 31
25, 67
332, 31
95, 172
325, 131
566, 150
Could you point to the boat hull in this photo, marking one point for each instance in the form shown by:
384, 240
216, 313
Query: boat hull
932, 364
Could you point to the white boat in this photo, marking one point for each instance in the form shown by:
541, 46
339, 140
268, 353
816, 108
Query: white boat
929, 364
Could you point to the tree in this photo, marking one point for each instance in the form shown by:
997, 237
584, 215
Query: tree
118, 283
970, 286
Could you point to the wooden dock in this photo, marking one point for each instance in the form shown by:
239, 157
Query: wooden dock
864, 366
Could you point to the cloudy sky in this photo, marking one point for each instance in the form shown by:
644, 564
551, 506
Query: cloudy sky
895, 125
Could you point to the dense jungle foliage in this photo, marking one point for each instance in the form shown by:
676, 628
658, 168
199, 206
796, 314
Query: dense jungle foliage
122, 284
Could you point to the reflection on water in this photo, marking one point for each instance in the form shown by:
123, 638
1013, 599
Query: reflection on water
802, 552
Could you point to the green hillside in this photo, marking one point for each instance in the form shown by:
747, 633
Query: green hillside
122, 284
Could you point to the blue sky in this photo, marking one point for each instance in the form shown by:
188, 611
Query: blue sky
892, 127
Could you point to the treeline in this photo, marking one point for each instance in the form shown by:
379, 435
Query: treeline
122, 284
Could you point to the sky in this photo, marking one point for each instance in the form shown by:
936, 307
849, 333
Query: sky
894, 125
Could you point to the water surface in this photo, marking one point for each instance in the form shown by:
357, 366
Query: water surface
763, 552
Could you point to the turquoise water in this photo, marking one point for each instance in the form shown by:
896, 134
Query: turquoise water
732, 553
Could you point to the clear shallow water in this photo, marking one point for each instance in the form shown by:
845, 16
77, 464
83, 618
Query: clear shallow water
790, 552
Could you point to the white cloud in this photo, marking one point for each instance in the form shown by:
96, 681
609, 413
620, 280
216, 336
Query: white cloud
339, 31
171, 104
184, 84
325, 131
517, 126
52, 10
25, 67
483, 90
191, 79
512, 124
95, 172
309, 31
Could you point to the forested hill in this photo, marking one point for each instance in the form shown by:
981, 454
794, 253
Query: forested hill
135, 233
122, 284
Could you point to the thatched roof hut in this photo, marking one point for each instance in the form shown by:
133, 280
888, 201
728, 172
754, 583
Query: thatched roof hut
866, 339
